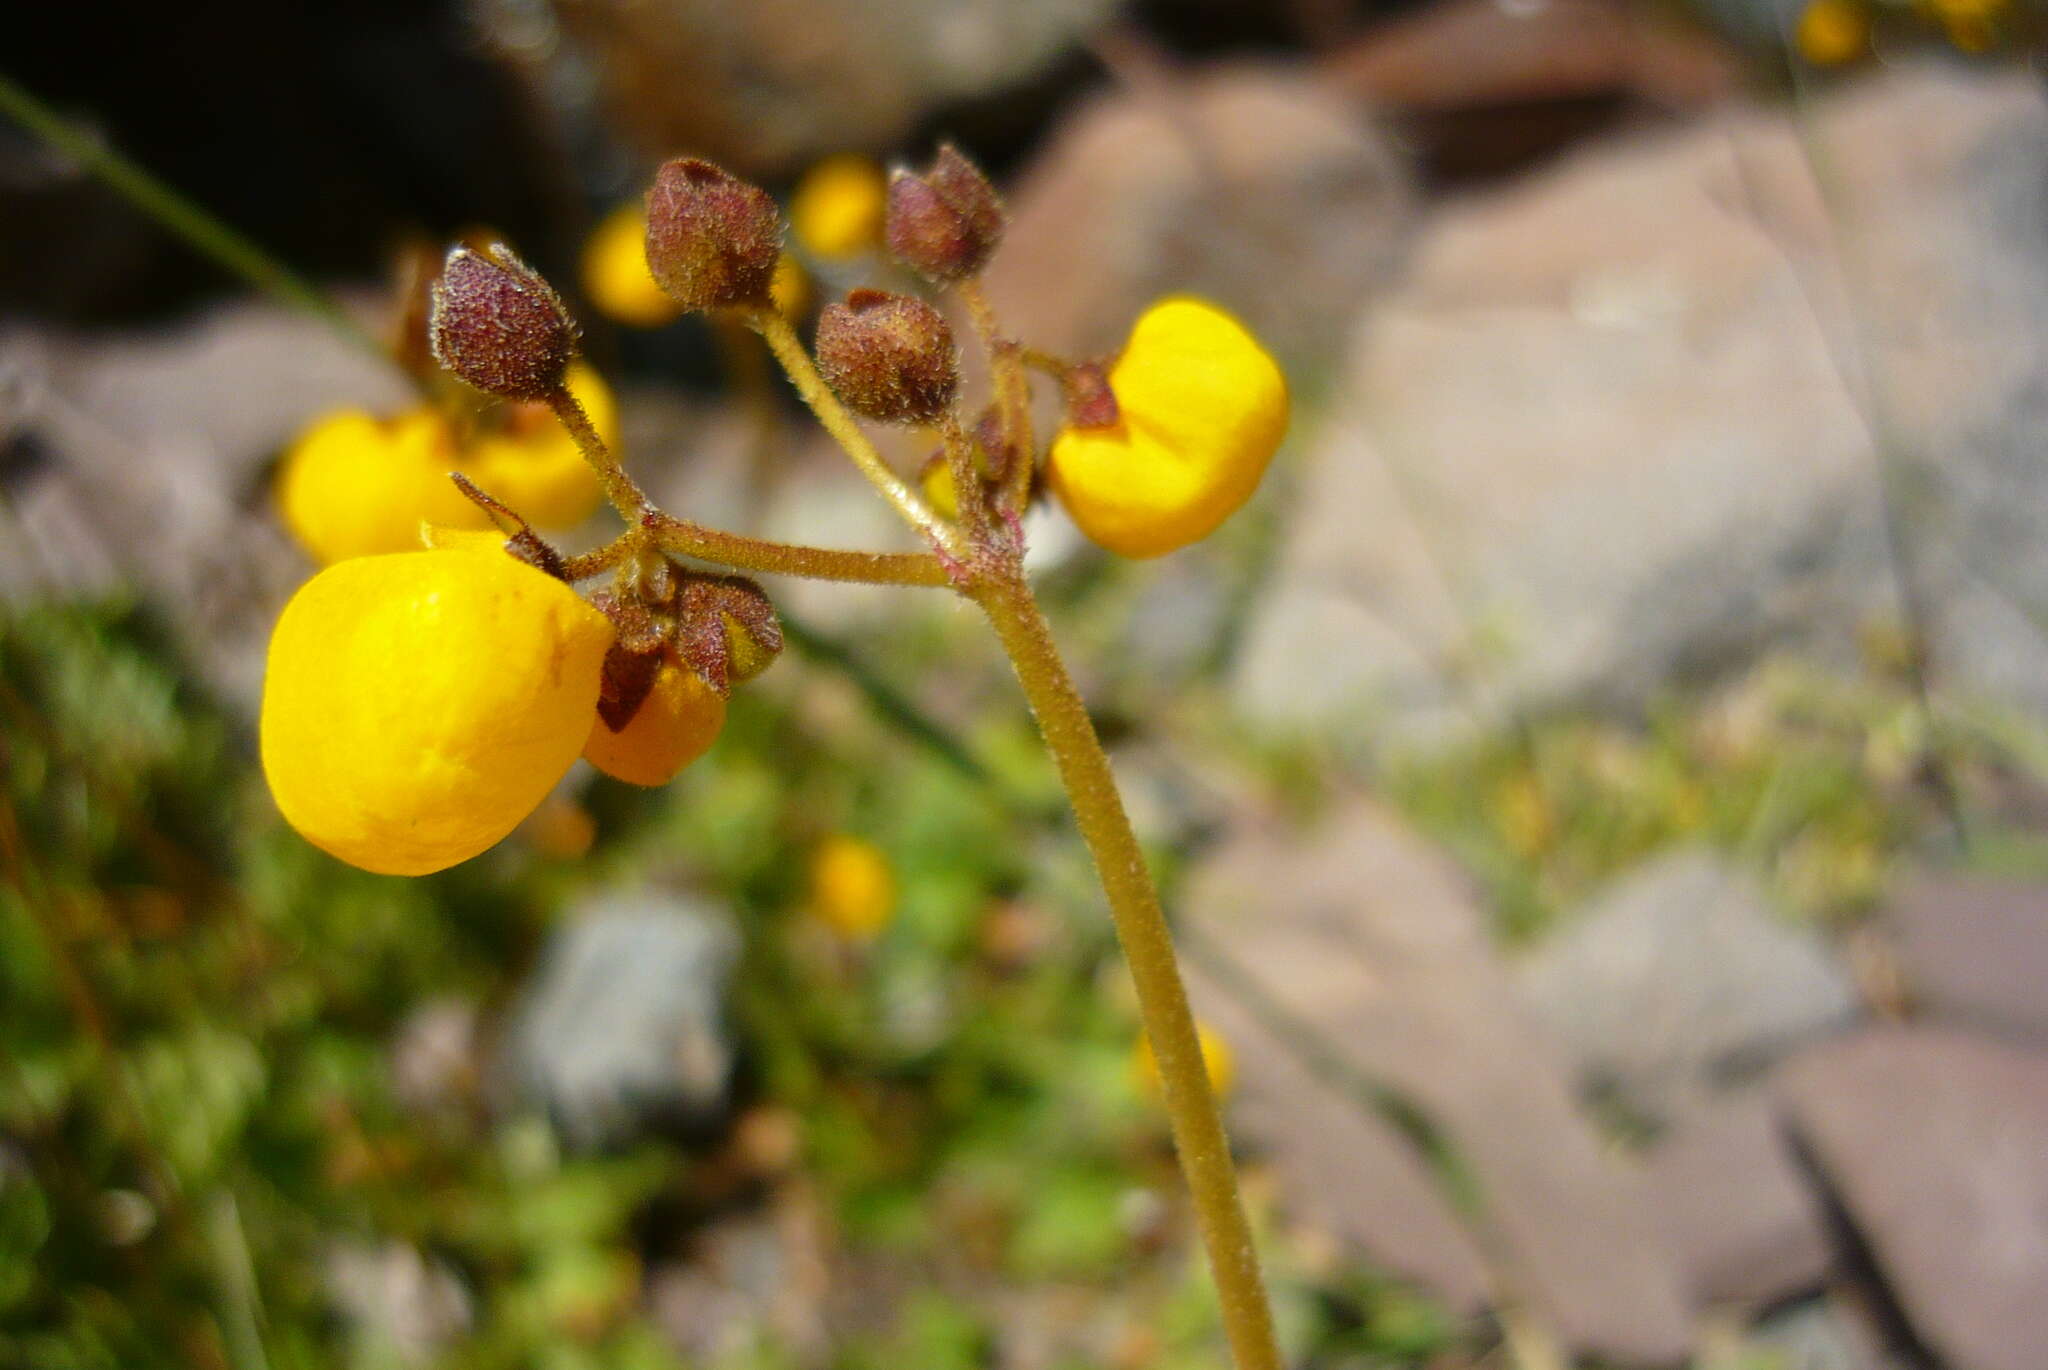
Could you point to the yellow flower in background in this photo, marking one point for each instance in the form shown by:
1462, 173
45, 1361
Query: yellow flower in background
615, 274
677, 723
352, 485
1217, 1059
418, 705
853, 889
1203, 407
534, 467
838, 207
1971, 25
1832, 32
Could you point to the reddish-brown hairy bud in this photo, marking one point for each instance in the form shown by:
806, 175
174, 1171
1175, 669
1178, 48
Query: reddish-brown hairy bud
945, 224
712, 239
726, 629
890, 357
495, 323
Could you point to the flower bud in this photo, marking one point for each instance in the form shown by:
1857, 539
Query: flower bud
495, 323
727, 631
712, 239
890, 357
945, 224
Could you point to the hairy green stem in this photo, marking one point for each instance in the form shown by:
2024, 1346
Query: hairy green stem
1148, 949
682, 538
1013, 396
619, 488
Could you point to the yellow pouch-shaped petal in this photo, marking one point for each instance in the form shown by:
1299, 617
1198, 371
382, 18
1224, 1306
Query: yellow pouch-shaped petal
353, 486
417, 706
1203, 407
677, 723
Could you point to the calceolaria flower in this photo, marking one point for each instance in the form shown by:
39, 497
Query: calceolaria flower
853, 889
1832, 32
836, 210
616, 276
418, 705
1218, 1062
355, 485
1200, 409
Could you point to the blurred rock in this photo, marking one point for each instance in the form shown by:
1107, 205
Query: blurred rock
623, 1029
1735, 1209
1474, 54
398, 1305
765, 86
1679, 981
1255, 187
745, 1275
1363, 940
1821, 1334
1600, 437
435, 1057
145, 468
1483, 88
1933, 1143
1975, 951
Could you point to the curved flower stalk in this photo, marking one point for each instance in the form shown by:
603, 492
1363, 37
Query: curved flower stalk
481, 662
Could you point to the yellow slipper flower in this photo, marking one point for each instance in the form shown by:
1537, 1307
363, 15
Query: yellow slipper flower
1202, 409
353, 485
418, 705
837, 208
615, 274
853, 890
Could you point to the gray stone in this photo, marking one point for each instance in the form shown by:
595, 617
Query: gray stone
1615, 425
155, 448
1256, 187
1678, 981
623, 1029
1369, 945
1735, 1210
1975, 951
1935, 1146
1342, 1169
765, 86
1821, 1334
435, 1061
399, 1306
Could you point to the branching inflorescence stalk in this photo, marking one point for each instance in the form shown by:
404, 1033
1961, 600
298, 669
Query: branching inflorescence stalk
1147, 943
